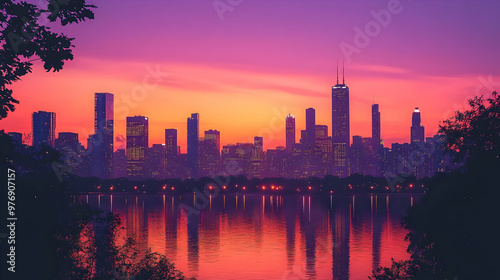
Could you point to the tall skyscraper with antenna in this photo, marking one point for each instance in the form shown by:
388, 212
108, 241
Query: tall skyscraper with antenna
340, 127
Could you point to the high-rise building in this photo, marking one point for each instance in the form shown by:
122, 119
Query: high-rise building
357, 155
193, 127
120, 163
310, 127
290, 132
376, 124
67, 141
257, 158
102, 147
171, 154
44, 128
340, 128
324, 143
137, 145
155, 161
417, 130
171, 141
209, 153
214, 136
376, 156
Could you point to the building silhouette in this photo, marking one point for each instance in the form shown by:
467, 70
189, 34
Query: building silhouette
44, 128
67, 141
209, 153
172, 153
193, 128
68, 145
417, 130
340, 128
376, 125
257, 157
290, 132
137, 146
102, 144
120, 163
310, 139
17, 138
155, 161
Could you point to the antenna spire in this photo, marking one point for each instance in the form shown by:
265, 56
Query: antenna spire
343, 79
337, 71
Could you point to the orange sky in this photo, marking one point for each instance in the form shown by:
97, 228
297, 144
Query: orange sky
241, 104
244, 73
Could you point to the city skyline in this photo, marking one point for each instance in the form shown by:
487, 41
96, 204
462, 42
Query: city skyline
315, 154
170, 138
264, 65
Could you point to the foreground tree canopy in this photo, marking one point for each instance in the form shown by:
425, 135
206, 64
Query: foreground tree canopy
25, 38
453, 230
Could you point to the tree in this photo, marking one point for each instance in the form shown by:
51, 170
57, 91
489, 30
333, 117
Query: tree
25, 39
452, 231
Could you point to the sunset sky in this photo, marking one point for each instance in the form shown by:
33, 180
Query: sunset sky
245, 69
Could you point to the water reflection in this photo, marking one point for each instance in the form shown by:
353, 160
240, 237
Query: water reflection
266, 237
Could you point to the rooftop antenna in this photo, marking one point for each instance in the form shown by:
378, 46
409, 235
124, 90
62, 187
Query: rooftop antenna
337, 71
343, 80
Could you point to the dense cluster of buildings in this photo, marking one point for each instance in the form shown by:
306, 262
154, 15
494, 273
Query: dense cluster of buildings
315, 154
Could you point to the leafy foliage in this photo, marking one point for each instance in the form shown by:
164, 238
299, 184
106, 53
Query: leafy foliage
452, 231
25, 39
62, 237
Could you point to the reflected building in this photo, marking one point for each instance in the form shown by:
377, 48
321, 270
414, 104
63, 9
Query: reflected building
341, 228
193, 247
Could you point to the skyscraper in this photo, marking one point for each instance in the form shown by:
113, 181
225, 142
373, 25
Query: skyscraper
290, 132
213, 135
137, 145
417, 130
171, 141
171, 155
376, 124
193, 127
209, 153
102, 146
44, 128
376, 152
310, 127
67, 142
340, 128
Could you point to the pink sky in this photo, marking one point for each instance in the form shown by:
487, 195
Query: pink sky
264, 60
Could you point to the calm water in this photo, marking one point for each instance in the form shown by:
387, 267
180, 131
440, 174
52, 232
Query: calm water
267, 237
